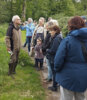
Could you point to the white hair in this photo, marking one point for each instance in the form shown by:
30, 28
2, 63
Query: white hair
30, 19
42, 18
52, 23
15, 17
55, 22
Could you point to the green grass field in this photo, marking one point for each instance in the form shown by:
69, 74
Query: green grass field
26, 85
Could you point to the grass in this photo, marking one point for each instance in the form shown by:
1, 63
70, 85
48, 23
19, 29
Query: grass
26, 85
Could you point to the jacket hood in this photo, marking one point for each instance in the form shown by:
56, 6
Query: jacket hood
81, 34
11, 24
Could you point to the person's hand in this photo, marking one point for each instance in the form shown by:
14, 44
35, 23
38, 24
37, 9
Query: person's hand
8, 49
47, 50
32, 48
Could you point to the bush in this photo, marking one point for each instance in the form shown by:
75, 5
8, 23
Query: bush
3, 29
63, 22
24, 59
63, 25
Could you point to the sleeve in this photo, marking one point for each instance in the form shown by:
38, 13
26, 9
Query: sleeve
22, 27
55, 46
8, 37
7, 40
60, 55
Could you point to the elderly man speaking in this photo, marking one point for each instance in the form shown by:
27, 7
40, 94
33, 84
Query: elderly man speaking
13, 43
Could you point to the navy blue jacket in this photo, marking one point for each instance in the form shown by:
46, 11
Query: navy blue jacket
54, 44
69, 63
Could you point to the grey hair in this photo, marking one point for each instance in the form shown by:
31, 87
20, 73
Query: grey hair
15, 17
52, 23
42, 18
30, 19
55, 22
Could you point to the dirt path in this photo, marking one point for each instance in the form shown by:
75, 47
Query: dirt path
49, 94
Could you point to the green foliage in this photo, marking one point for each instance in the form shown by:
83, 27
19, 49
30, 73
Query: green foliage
3, 29
24, 59
63, 23
70, 9
40, 8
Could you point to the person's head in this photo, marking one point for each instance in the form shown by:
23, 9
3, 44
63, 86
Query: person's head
52, 23
76, 23
30, 20
39, 41
54, 30
35, 22
41, 21
84, 18
16, 20
49, 19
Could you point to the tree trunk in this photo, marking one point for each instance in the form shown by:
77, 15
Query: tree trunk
24, 10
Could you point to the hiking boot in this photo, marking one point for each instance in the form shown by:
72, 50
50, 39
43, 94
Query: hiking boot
14, 68
52, 88
10, 69
49, 80
37, 68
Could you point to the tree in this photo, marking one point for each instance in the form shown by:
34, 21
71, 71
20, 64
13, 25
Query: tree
24, 10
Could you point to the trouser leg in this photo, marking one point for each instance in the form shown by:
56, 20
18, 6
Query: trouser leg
16, 62
10, 68
36, 62
41, 63
49, 69
54, 74
25, 42
29, 42
79, 96
66, 94
14, 68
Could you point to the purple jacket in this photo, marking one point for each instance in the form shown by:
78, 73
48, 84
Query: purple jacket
38, 52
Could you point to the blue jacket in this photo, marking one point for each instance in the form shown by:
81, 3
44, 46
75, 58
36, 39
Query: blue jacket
54, 44
69, 63
29, 29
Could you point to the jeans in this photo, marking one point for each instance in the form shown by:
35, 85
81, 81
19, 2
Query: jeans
28, 41
49, 69
25, 42
71, 95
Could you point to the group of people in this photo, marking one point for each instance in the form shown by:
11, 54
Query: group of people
66, 58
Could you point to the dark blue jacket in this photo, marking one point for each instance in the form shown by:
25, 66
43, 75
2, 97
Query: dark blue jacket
54, 44
69, 63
